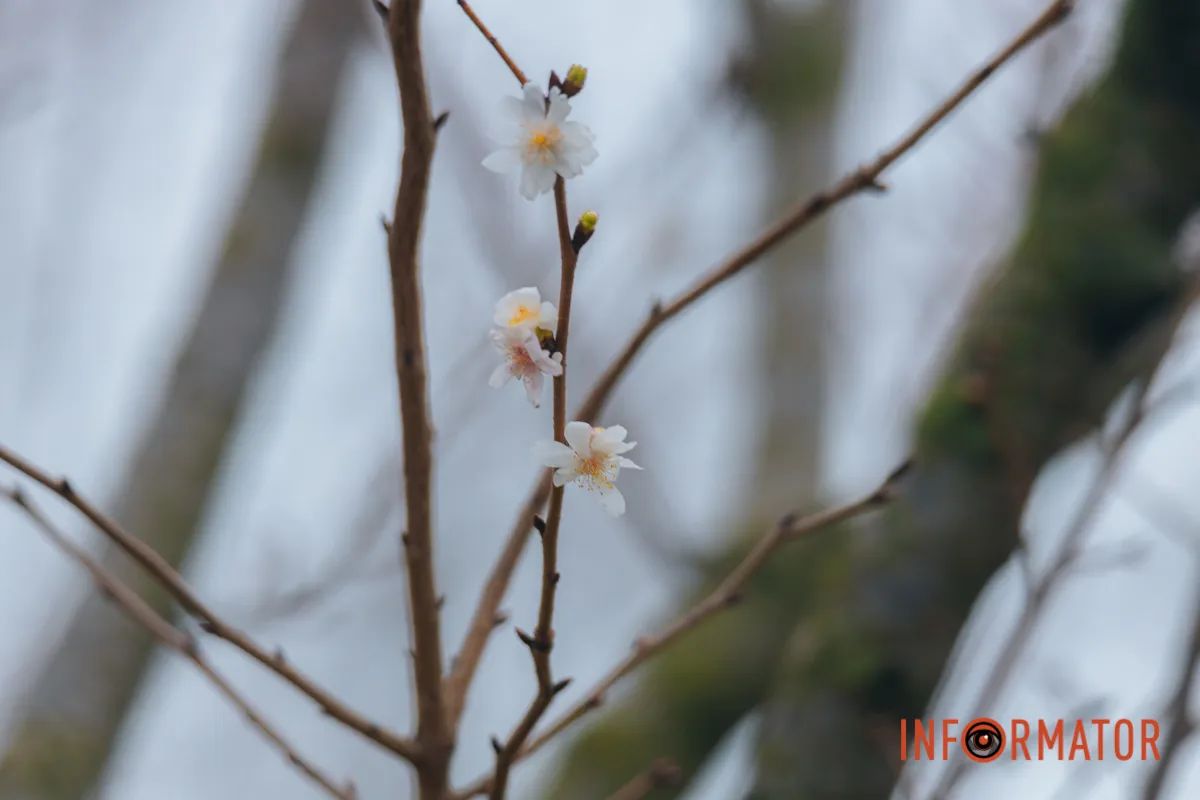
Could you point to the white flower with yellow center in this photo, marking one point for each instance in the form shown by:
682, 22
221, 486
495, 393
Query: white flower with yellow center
523, 310
537, 139
525, 360
593, 460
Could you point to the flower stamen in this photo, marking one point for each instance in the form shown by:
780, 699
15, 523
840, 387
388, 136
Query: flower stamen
523, 314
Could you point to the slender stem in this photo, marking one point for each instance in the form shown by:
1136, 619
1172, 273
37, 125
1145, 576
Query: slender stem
487, 34
542, 641
434, 735
728, 592
865, 178
166, 575
171, 637
544, 632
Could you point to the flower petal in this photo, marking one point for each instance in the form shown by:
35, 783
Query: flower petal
533, 103
610, 441
504, 160
579, 436
533, 347
508, 306
626, 463
613, 434
500, 339
579, 139
612, 501
553, 454
549, 317
551, 366
536, 179
560, 106
533, 388
501, 375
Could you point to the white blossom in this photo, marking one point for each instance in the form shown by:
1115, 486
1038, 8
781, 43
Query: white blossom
537, 139
523, 310
591, 459
525, 360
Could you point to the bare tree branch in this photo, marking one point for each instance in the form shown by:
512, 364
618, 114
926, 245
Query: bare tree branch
138, 610
542, 641
728, 592
865, 178
434, 735
174, 584
487, 34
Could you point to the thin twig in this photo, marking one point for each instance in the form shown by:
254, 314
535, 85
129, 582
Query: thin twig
141, 613
865, 178
173, 582
487, 34
724, 596
508, 752
542, 641
433, 732
662, 774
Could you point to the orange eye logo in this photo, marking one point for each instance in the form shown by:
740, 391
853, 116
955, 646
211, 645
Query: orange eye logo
983, 740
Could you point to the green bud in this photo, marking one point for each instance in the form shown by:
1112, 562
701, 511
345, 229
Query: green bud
577, 75
576, 78
584, 229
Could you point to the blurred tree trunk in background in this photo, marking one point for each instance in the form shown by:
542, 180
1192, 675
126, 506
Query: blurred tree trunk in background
76, 709
1078, 310
793, 80
690, 698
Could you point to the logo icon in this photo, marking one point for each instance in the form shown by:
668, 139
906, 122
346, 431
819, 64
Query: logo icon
983, 740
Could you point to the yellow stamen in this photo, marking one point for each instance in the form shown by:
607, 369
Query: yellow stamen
522, 314
595, 469
544, 140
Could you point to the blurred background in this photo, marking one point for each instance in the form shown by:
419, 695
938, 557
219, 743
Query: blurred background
195, 327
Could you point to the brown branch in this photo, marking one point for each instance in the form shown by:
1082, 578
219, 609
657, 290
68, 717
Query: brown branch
542, 641
493, 41
141, 613
724, 596
433, 732
865, 178
173, 582
662, 774
509, 751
